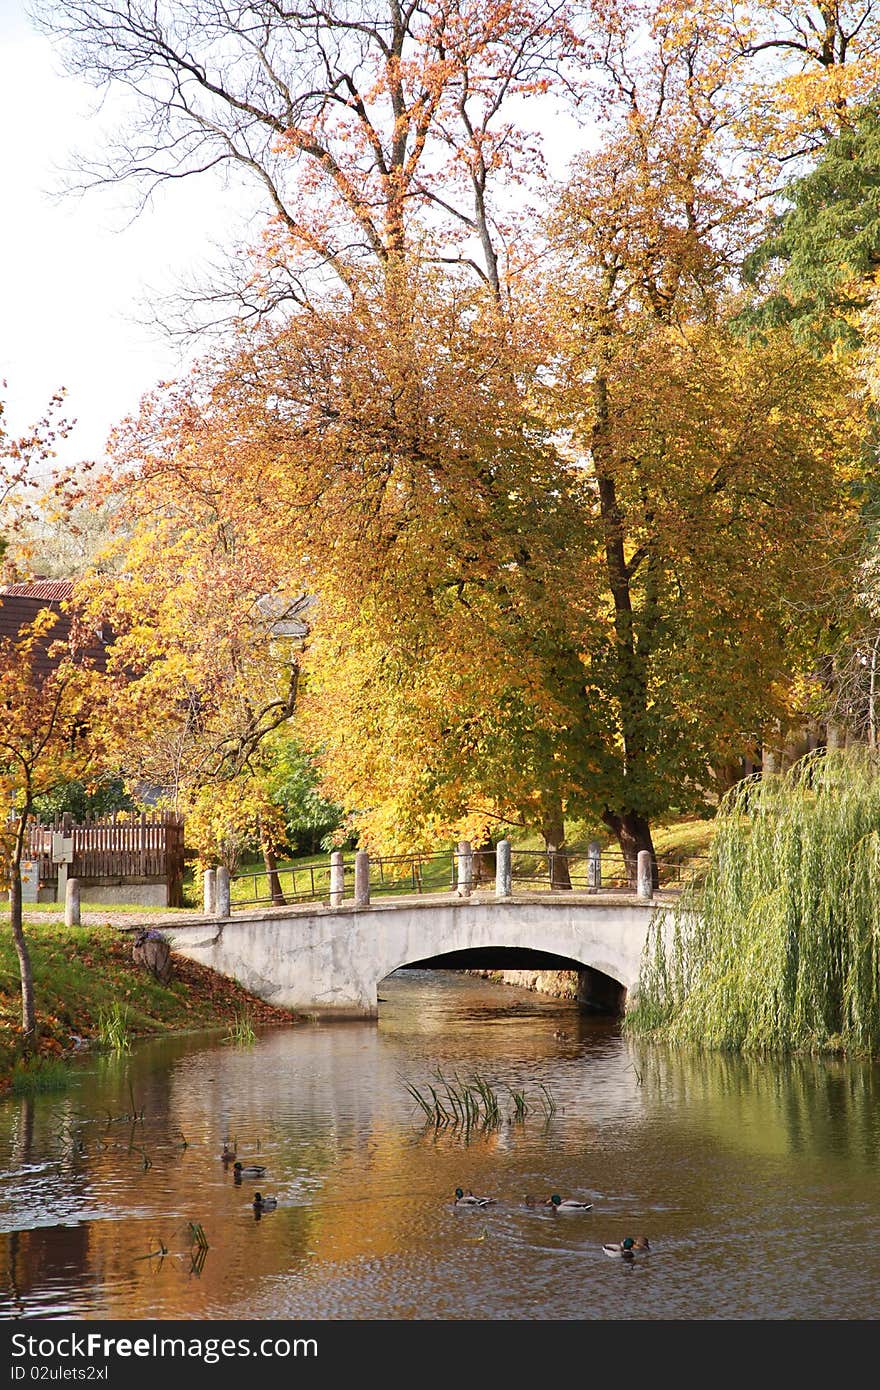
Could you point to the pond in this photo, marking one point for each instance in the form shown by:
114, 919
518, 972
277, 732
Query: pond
755, 1181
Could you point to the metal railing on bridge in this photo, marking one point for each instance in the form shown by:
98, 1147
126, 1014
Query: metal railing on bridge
464, 869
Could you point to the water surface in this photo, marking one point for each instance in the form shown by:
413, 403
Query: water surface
756, 1182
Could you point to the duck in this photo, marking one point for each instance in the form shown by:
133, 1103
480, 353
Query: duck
467, 1199
228, 1154
248, 1170
566, 1203
262, 1203
628, 1248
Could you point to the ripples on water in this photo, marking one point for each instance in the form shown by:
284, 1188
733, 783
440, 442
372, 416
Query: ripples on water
755, 1181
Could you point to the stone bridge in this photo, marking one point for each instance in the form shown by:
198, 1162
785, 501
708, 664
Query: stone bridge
327, 962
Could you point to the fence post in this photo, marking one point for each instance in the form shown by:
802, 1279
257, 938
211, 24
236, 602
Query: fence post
464, 869
362, 879
221, 889
72, 916
645, 875
337, 878
209, 892
594, 865
503, 870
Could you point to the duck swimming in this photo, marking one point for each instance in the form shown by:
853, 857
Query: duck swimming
566, 1203
628, 1248
623, 1249
262, 1203
248, 1170
467, 1199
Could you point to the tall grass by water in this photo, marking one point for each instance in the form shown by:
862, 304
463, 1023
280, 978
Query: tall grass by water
114, 1028
475, 1103
241, 1031
40, 1074
779, 947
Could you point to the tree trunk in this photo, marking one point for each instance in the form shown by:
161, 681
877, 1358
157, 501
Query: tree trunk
28, 1009
553, 831
271, 863
484, 861
633, 835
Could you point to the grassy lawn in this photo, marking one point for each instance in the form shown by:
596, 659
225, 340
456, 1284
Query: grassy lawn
50, 910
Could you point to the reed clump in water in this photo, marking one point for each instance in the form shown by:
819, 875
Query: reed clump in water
778, 947
474, 1103
241, 1031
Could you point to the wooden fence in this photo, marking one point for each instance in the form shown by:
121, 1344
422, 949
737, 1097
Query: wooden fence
145, 846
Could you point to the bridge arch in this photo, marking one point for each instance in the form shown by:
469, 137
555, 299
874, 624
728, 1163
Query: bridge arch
329, 962
595, 990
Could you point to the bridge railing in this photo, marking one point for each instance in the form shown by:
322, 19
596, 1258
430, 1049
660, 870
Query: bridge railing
583, 871
336, 880
388, 874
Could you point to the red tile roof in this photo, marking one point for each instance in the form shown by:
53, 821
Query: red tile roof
56, 590
20, 604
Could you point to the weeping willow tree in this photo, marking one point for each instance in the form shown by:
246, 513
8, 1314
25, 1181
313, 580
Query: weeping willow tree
779, 946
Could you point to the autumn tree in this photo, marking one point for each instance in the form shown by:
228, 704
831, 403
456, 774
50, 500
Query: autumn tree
698, 448
526, 497
206, 630
816, 272
362, 126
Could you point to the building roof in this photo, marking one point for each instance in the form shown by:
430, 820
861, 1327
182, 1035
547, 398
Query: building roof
20, 604
56, 590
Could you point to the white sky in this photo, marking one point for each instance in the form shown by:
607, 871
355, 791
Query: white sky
75, 270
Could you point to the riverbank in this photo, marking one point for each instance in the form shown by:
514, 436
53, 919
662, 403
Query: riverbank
80, 973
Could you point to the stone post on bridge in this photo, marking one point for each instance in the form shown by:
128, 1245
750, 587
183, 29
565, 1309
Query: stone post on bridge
337, 878
464, 869
362, 879
594, 866
503, 870
645, 875
209, 892
223, 907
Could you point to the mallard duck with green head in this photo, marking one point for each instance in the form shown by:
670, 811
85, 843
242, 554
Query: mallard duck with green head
262, 1203
248, 1170
467, 1199
566, 1203
628, 1248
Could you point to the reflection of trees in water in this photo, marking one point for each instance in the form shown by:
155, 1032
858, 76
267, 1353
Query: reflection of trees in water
34, 1259
799, 1105
141, 1138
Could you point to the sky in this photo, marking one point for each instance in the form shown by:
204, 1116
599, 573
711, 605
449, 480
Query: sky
75, 271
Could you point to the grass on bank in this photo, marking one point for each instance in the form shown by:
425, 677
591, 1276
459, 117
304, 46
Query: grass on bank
86, 975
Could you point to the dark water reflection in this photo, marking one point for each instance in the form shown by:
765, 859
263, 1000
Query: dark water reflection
755, 1181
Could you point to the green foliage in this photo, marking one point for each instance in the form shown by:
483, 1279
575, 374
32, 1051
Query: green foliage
825, 247
114, 1028
294, 784
779, 948
40, 1074
99, 798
